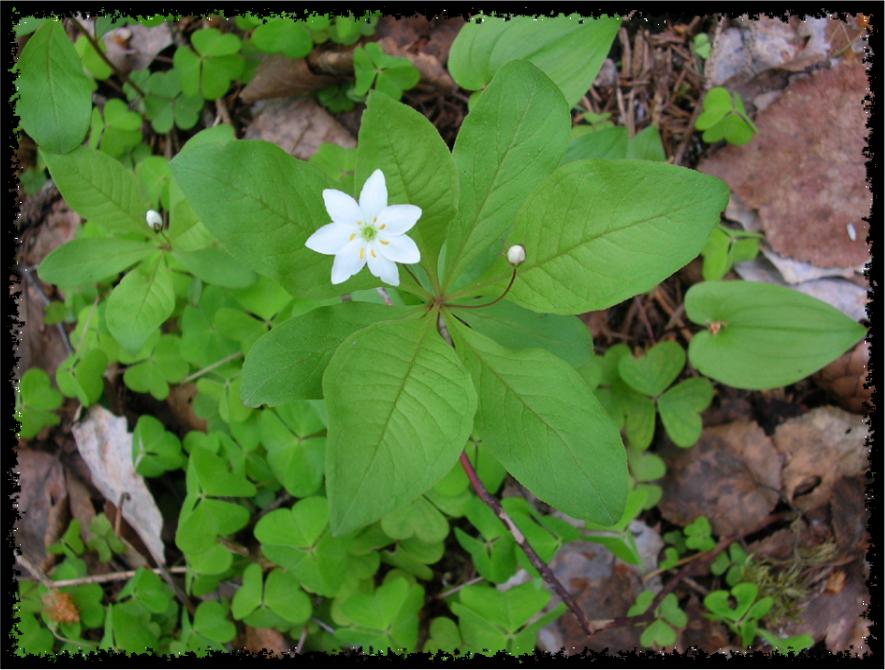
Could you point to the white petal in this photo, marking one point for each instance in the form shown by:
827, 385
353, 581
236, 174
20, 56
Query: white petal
348, 261
382, 268
330, 238
397, 219
341, 207
373, 197
401, 249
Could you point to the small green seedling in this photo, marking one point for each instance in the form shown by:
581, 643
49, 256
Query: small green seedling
727, 247
724, 117
389, 74
669, 618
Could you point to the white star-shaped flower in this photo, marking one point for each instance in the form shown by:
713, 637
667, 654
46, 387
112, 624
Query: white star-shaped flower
369, 232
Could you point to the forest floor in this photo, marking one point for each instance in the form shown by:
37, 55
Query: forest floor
781, 472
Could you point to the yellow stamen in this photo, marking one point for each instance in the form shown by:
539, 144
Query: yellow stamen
374, 255
352, 236
382, 226
385, 241
362, 253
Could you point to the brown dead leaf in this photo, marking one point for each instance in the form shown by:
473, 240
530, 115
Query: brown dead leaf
180, 402
732, 476
845, 378
106, 446
848, 516
818, 448
42, 504
702, 633
257, 640
135, 46
59, 226
805, 169
280, 77
297, 125
837, 617
40, 346
79, 500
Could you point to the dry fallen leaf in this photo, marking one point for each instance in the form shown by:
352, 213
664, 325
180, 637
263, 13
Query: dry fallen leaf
732, 476
278, 76
805, 171
41, 504
106, 447
845, 378
267, 640
818, 448
297, 125
134, 47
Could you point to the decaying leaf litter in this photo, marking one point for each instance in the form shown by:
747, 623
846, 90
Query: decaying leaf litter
760, 455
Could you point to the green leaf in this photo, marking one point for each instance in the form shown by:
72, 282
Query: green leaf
81, 376
567, 49
646, 467
285, 36
263, 211
141, 303
91, 259
215, 266
658, 634
91, 59
642, 603
646, 145
296, 460
670, 611
582, 254
54, 96
609, 143
155, 450
162, 367
34, 403
638, 413
654, 371
100, 189
210, 620
417, 167
536, 415
513, 138
514, 327
420, 519
248, 597
400, 409
716, 257
767, 335
283, 596
680, 409
442, 636
288, 362
210, 73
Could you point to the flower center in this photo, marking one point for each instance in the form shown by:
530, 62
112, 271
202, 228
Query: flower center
368, 233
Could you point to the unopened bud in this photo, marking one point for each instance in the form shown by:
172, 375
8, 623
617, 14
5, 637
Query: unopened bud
516, 255
153, 219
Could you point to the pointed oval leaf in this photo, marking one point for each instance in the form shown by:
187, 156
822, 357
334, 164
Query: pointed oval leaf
539, 419
100, 189
417, 166
598, 232
262, 205
513, 138
288, 362
55, 97
766, 335
568, 49
400, 410
140, 303
89, 260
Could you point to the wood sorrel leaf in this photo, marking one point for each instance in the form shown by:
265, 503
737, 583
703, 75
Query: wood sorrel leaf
680, 409
262, 205
513, 138
55, 97
539, 419
100, 189
763, 336
655, 370
417, 165
568, 50
597, 232
288, 362
400, 410
92, 259
140, 303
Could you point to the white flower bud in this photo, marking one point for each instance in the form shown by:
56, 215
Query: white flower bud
153, 219
516, 255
